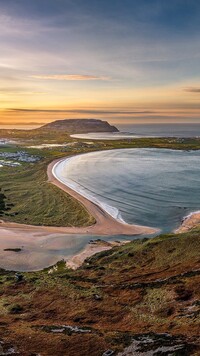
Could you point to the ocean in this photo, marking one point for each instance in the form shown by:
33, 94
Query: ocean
150, 130
162, 130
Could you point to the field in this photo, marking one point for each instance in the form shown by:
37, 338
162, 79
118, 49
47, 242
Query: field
30, 199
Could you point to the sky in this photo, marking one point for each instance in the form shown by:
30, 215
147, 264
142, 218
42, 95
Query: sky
126, 61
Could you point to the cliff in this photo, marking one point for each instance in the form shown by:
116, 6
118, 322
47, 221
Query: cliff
74, 126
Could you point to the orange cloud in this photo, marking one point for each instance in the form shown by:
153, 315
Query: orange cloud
192, 90
69, 77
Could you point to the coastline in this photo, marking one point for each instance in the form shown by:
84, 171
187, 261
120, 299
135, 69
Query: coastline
17, 234
105, 223
106, 208
189, 222
91, 249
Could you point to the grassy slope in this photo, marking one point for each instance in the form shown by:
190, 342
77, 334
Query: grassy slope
145, 286
37, 202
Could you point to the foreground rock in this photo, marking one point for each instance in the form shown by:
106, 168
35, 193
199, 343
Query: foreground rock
157, 344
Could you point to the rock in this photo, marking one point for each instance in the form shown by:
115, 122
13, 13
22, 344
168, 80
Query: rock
13, 249
108, 353
97, 297
19, 277
157, 344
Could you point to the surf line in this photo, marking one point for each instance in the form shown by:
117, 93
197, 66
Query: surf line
107, 218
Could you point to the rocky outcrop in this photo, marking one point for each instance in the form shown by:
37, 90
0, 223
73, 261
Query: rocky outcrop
74, 126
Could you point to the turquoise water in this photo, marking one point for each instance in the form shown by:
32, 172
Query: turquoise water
152, 187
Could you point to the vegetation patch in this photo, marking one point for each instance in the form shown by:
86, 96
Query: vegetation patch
15, 309
2, 203
36, 202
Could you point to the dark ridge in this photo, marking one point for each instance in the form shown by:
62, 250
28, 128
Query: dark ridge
74, 126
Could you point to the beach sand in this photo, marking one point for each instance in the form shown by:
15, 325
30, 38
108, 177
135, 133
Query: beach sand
90, 250
190, 222
105, 224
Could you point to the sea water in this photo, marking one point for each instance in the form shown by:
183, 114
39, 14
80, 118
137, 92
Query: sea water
151, 187
162, 130
146, 130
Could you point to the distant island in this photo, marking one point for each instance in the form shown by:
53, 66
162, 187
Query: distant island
75, 126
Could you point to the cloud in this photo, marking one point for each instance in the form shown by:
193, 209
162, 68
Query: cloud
20, 91
192, 90
85, 111
69, 77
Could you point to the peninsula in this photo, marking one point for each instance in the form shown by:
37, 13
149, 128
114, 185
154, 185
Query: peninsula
73, 126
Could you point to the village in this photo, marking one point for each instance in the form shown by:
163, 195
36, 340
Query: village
13, 159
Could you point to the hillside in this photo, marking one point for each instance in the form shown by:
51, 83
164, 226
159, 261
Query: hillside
139, 299
74, 126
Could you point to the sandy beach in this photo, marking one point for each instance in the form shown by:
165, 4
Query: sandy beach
105, 224
90, 250
189, 223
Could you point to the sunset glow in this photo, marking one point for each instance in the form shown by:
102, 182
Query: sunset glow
124, 61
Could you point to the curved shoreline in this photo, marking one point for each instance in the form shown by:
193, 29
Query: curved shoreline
105, 223
105, 207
